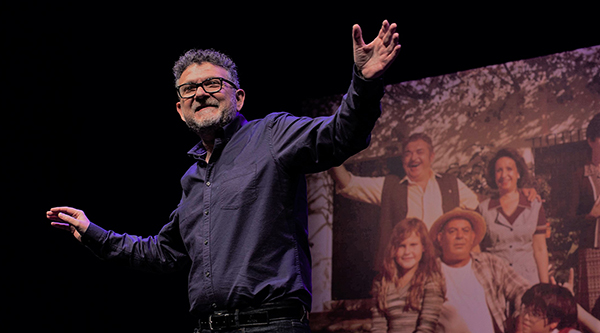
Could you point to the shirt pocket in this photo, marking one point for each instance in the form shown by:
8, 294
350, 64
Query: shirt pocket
239, 189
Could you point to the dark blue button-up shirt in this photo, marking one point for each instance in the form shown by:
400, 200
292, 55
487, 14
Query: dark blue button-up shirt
242, 220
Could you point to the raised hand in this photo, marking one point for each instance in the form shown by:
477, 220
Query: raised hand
373, 59
69, 219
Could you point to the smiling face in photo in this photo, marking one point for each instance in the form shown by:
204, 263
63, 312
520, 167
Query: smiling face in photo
416, 160
409, 252
507, 174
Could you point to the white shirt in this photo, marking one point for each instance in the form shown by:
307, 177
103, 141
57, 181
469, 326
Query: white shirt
425, 205
466, 295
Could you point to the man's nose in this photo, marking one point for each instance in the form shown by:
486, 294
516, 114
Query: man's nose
201, 94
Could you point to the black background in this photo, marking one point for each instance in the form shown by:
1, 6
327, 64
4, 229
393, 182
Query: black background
75, 133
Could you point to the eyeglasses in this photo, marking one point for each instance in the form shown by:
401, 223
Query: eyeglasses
210, 86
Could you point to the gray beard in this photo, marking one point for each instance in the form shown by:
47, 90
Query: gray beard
211, 125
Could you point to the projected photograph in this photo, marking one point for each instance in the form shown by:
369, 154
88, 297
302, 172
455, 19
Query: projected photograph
537, 109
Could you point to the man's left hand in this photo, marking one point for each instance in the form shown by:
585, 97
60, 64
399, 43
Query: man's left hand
532, 194
373, 59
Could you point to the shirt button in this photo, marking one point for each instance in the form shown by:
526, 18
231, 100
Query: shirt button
207, 274
206, 212
207, 183
206, 242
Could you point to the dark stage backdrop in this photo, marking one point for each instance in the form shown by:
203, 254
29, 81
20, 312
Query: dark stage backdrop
75, 133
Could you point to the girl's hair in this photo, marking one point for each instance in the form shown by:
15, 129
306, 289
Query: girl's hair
428, 269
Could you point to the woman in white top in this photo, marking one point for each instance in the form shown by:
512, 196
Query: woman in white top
516, 228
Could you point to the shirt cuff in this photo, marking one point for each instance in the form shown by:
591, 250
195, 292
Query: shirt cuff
94, 235
371, 89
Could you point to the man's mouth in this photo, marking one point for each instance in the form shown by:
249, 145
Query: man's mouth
204, 107
414, 164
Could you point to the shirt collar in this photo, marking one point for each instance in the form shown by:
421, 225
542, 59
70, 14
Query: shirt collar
433, 176
523, 202
198, 152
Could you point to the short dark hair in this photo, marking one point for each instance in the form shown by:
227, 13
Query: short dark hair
418, 136
519, 161
593, 129
556, 303
197, 56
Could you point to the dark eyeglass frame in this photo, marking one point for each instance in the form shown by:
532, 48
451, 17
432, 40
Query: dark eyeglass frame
202, 84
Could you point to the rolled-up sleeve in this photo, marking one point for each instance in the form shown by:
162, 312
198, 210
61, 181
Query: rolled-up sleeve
468, 198
364, 189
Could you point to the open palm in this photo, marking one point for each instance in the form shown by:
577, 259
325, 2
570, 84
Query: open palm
373, 59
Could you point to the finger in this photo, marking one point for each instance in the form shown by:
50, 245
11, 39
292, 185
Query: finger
389, 35
53, 216
69, 219
393, 53
552, 280
65, 209
571, 276
61, 226
357, 36
384, 29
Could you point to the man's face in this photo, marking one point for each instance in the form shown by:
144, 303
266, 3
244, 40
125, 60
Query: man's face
456, 240
204, 111
417, 159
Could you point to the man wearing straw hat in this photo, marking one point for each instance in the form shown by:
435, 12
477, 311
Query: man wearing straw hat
479, 285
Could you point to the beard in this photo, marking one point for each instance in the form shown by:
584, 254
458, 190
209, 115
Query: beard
213, 122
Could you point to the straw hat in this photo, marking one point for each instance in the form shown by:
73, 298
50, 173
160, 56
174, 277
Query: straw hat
477, 222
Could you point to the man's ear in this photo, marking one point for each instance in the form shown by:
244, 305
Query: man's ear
240, 97
553, 325
178, 106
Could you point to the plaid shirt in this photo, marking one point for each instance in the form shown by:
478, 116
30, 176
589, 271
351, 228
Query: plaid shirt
501, 285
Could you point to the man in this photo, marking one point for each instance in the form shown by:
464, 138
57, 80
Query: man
584, 214
479, 285
422, 193
242, 221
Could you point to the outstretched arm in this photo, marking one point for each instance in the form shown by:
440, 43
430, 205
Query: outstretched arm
373, 59
160, 253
